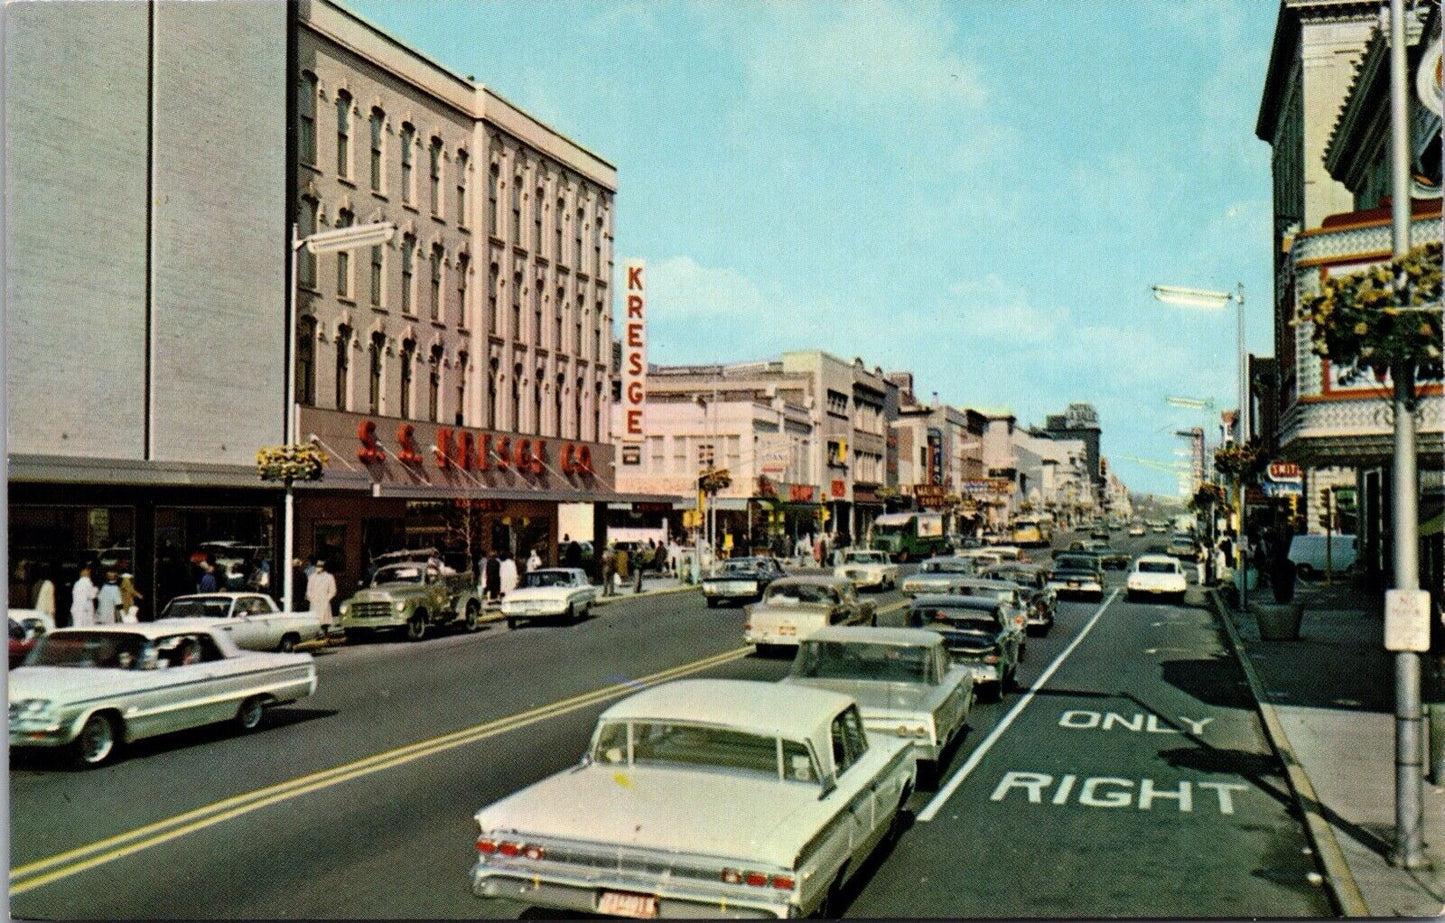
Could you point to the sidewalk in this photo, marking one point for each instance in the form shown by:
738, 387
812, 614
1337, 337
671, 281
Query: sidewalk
1327, 700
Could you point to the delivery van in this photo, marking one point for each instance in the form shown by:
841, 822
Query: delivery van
1308, 553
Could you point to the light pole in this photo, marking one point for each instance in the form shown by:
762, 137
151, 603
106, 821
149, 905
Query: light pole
347, 238
1210, 300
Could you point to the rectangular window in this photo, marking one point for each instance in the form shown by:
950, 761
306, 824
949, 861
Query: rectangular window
436, 176
655, 457
705, 456
378, 121
577, 238
408, 259
559, 217
343, 259
464, 316
492, 200
306, 260
679, 455
517, 209
343, 135
537, 313
376, 275
537, 222
408, 137
306, 117
436, 283
517, 307
496, 316
462, 180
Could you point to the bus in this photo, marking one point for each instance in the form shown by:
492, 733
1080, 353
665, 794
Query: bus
909, 535
1033, 532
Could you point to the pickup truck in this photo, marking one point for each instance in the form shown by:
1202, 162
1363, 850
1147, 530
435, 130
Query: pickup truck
250, 619
414, 596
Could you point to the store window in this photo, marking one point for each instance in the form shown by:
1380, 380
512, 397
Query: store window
51, 543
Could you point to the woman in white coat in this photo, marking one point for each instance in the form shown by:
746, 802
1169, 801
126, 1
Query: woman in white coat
509, 573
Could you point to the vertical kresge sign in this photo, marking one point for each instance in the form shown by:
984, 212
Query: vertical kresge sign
634, 353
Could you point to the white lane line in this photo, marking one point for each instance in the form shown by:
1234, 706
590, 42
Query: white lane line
977, 756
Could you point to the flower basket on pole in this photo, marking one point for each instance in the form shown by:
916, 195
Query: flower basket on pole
290, 463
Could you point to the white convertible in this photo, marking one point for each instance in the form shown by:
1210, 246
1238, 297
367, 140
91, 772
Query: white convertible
702, 798
1156, 575
550, 593
92, 689
251, 619
867, 569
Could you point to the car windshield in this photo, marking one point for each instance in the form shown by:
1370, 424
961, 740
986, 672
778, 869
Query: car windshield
865, 557
1074, 562
543, 578
884, 663
945, 566
795, 594
113, 650
692, 746
399, 573
740, 568
1158, 567
215, 607
968, 619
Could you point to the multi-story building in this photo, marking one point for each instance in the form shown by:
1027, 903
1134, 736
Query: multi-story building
940, 454
460, 373
805, 435
1080, 421
145, 288
1052, 473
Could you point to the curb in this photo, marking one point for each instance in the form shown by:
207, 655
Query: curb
1344, 890
609, 600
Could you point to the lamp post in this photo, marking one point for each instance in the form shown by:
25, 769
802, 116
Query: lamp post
347, 238
1210, 300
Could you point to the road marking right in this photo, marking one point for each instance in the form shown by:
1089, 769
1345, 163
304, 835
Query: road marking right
977, 756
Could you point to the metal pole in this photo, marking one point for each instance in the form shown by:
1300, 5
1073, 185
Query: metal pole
1409, 793
1241, 561
289, 516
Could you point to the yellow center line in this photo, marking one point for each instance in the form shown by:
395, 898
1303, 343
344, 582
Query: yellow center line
116, 847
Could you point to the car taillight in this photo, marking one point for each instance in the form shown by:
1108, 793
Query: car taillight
533, 852
509, 849
486, 847
756, 879
783, 882
991, 658
732, 876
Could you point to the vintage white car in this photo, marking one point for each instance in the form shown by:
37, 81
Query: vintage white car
1156, 575
562, 593
251, 619
936, 575
740, 578
702, 798
92, 689
902, 679
795, 607
866, 568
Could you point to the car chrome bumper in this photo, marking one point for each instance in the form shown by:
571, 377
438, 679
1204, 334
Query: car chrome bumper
372, 622
556, 888
48, 735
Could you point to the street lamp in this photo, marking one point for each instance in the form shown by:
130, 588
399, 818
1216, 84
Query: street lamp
348, 238
1213, 301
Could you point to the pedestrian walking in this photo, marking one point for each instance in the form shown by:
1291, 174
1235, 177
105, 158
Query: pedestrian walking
320, 591
623, 563
659, 558
609, 569
130, 599
493, 575
207, 583
534, 561
571, 552
507, 573
107, 599
82, 599
641, 560
43, 597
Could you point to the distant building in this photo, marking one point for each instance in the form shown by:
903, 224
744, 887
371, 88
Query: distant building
1081, 422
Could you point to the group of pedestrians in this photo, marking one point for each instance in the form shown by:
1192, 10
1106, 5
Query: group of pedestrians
116, 600
621, 567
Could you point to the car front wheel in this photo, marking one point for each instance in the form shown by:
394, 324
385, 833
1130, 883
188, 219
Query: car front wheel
416, 626
96, 742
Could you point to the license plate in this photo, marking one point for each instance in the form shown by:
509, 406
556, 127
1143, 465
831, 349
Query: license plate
1073, 585
788, 630
622, 904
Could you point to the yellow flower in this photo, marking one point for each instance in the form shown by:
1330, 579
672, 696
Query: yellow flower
1362, 328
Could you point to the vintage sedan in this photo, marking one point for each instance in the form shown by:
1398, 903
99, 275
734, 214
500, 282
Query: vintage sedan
1013, 598
94, 689
978, 634
902, 679
871, 569
1138, 529
558, 593
1078, 575
795, 607
1156, 575
936, 575
251, 619
27, 627
1110, 558
1042, 601
703, 798
740, 578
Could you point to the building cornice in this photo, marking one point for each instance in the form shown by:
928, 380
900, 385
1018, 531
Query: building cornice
1285, 49
1359, 130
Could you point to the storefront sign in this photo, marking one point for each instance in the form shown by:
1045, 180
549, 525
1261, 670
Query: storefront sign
935, 455
1286, 473
840, 489
479, 505
632, 454
773, 451
995, 486
634, 353
468, 450
801, 493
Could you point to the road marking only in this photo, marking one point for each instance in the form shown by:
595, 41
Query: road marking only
974, 758
72, 862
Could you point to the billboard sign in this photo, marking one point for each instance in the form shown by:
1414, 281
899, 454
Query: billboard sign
634, 352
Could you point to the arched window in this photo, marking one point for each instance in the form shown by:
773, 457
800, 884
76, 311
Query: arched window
494, 402
306, 361
373, 391
538, 380
306, 118
436, 281
577, 239
517, 208
537, 220
577, 394
493, 273
435, 175
462, 179
517, 398
561, 306
493, 178
557, 218
434, 386
343, 368
306, 226
343, 134
597, 247
408, 372
408, 269
597, 334
408, 137
344, 219
537, 311
464, 268
598, 429
378, 275
577, 321
561, 385
517, 306
378, 123
461, 416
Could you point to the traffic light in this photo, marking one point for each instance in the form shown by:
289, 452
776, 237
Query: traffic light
1327, 518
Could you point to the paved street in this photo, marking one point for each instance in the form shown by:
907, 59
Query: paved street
1135, 780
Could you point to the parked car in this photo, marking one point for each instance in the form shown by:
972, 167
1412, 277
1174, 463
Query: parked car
1308, 553
251, 619
703, 798
795, 607
902, 679
94, 689
1077, 575
557, 593
936, 575
873, 569
22, 642
414, 596
978, 633
1156, 575
1034, 579
740, 578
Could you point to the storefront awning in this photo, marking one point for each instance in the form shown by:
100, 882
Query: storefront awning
424, 492
129, 472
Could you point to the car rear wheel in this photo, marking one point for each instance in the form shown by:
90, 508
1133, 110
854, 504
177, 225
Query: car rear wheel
416, 626
288, 643
712, 602
474, 614
512, 622
96, 742
249, 715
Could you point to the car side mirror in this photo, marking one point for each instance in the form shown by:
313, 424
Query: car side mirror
830, 785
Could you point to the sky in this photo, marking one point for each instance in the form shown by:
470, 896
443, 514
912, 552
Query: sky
979, 192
